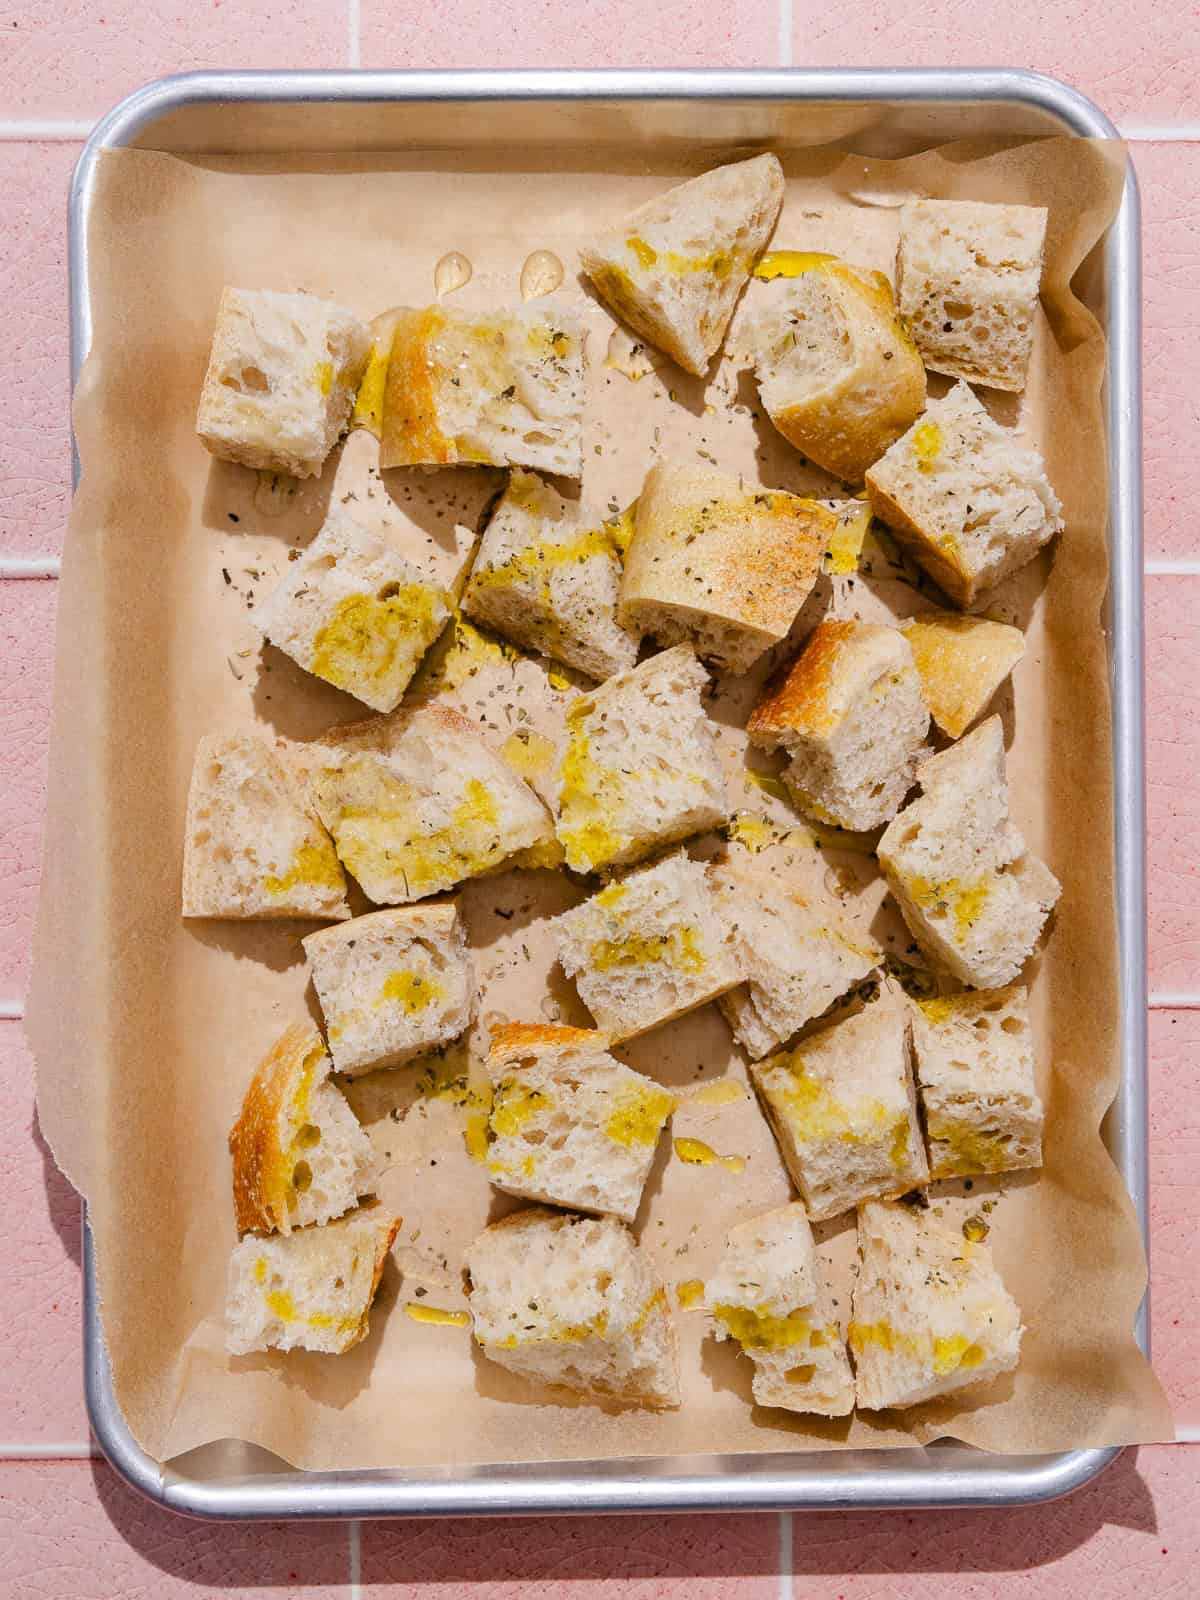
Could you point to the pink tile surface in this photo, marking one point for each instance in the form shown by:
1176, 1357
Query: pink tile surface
1175, 1208
1137, 59
41, 1387
73, 1531
77, 58
1169, 175
620, 1558
26, 673
548, 33
35, 437
1134, 1530
1173, 793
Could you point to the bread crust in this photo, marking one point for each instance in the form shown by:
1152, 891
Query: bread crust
261, 1166
512, 1039
800, 702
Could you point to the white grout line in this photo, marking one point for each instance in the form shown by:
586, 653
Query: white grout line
30, 566
354, 19
355, 1528
1161, 132
1173, 1000
1185, 1434
1185, 567
14, 130
49, 1452
11, 1010
785, 1555
785, 33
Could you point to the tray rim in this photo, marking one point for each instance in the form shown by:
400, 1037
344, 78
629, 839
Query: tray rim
943, 1475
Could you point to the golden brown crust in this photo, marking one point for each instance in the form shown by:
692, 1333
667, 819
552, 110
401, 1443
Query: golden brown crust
800, 703
520, 1038
938, 562
262, 1167
962, 661
410, 434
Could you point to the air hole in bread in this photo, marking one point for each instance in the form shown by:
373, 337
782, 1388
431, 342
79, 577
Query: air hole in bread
603, 1281
982, 1025
537, 438
308, 1136
301, 1176
388, 592
339, 1283
252, 378
1012, 1025
202, 837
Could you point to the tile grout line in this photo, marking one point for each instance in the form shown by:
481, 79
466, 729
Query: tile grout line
354, 32
30, 566
51, 1452
785, 33
1185, 567
354, 1529
19, 130
785, 1555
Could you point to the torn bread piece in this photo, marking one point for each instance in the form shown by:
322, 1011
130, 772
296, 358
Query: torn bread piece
769, 1294
649, 947
844, 1111
850, 715
548, 582
962, 661
640, 767
673, 270
974, 898
968, 499
393, 985
930, 1312
417, 802
282, 375
719, 565
354, 612
310, 1291
299, 1154
570, 1124
570, 1301
494, 388
837, 369
974, 1061
253, 845
794, 951
969, 276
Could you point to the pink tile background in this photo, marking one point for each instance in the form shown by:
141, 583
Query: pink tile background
70, 1530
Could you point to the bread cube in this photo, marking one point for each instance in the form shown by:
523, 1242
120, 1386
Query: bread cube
793, 949
973, 897
721, 567
570, 1301
837, 369
649, 947
640, 767
974, 1060
569, 1123
253, 845
673, 270
310, 1291
547, 582
969, 275
299, 1154
930, 1312
844, 1111
769, 1294
494, 388
962, 661
417, 802
281, 379
850, 715
968, 499
393, 985
354, 612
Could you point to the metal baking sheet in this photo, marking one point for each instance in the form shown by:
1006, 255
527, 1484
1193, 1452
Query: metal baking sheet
882, 113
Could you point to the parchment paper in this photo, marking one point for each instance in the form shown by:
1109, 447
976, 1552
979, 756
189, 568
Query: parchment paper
146, 1029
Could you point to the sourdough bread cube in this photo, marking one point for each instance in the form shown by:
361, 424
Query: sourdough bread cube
570, 1124
974, 1060
719, 566
930, 1312
673, 270
640, 767
794, 951
968, 499
769, 1294
969, 276
837, 370
354, 612
253, 845
962, 661
393, 985
281, 379
850, 715
570, 1301
494, 388
844, 1111
299, 1154
974, 898
549, 583
417, 802
310, 1291
649, 947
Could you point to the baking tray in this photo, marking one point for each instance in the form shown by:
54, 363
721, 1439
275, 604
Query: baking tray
875, 113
